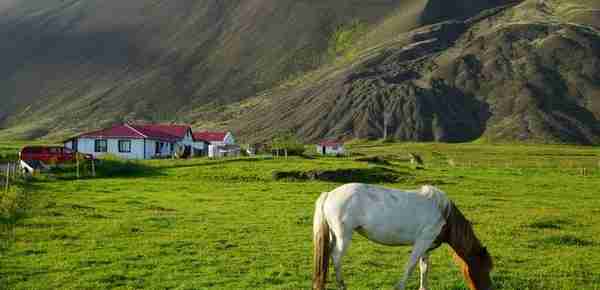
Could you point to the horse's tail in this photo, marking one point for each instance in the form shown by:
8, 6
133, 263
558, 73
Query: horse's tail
321, 245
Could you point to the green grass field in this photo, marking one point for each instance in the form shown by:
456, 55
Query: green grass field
8, 151
227, 224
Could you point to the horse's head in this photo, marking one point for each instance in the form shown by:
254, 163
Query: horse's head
476, 270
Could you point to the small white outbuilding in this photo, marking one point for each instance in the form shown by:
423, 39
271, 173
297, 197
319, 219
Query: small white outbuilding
331, 147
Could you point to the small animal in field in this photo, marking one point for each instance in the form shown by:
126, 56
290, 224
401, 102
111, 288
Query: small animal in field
425, 219
415, 159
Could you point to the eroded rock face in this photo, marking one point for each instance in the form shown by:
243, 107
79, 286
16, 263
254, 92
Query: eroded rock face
460, 81
541, 81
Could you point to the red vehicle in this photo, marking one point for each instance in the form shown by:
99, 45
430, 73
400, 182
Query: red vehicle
48, 154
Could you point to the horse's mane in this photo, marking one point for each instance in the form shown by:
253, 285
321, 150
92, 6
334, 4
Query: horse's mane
436, 196
459, 232
469, 253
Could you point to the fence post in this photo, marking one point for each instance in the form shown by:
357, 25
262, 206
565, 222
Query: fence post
6, 186
93, 167
77, 164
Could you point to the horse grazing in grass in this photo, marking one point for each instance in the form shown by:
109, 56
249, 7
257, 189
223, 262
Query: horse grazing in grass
424, 219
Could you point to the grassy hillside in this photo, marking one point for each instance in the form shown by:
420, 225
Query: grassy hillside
86, 63
227, 224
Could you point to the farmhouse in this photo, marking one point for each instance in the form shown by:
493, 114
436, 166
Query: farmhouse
133, 141
216, 144
330, 147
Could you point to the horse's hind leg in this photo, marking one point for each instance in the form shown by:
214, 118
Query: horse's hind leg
342, 239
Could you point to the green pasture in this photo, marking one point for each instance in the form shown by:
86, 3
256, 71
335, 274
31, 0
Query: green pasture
8, 151
228, 224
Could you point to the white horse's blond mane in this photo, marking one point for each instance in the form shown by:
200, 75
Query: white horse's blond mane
437, 196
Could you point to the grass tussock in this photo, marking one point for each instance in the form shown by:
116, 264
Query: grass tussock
364, 175
549, 224
566, 240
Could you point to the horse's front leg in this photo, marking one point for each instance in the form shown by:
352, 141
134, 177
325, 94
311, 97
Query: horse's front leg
419, 250
424, 267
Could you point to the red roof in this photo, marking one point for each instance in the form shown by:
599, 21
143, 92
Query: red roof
330, 143
169, 133
210, 136
178, 131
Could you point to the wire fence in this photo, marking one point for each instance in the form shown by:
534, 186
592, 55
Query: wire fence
12, 199
10, 173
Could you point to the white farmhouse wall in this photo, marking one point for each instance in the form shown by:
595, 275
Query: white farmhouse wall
188, 139
87, 146
69, 144
229, 140
200, 145
338, 150
331, 150
151, 149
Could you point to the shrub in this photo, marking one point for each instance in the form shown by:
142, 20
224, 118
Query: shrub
113, 166
344, 38
286, 140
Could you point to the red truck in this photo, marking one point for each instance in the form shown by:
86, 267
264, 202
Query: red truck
48, 154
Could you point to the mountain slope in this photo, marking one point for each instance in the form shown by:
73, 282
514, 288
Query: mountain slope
92, 62
409, 69
519, 72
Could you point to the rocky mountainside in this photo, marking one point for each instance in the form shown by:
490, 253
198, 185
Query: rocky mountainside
409, 69
523, 71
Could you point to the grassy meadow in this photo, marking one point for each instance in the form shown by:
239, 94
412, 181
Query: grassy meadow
9, 151
228, 224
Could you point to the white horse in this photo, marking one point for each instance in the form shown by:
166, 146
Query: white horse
424, 219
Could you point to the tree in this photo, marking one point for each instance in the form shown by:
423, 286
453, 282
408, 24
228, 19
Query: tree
287, 141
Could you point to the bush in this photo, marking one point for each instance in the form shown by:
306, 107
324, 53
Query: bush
12, 202
344, 38
113, 166
374, 159
288, 141
8, 156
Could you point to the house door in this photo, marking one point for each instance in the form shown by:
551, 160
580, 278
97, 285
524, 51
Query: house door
158, 148
187, 151
324, 150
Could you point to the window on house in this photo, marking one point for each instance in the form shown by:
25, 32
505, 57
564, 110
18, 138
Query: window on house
159, 147
100, 145
124, 146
